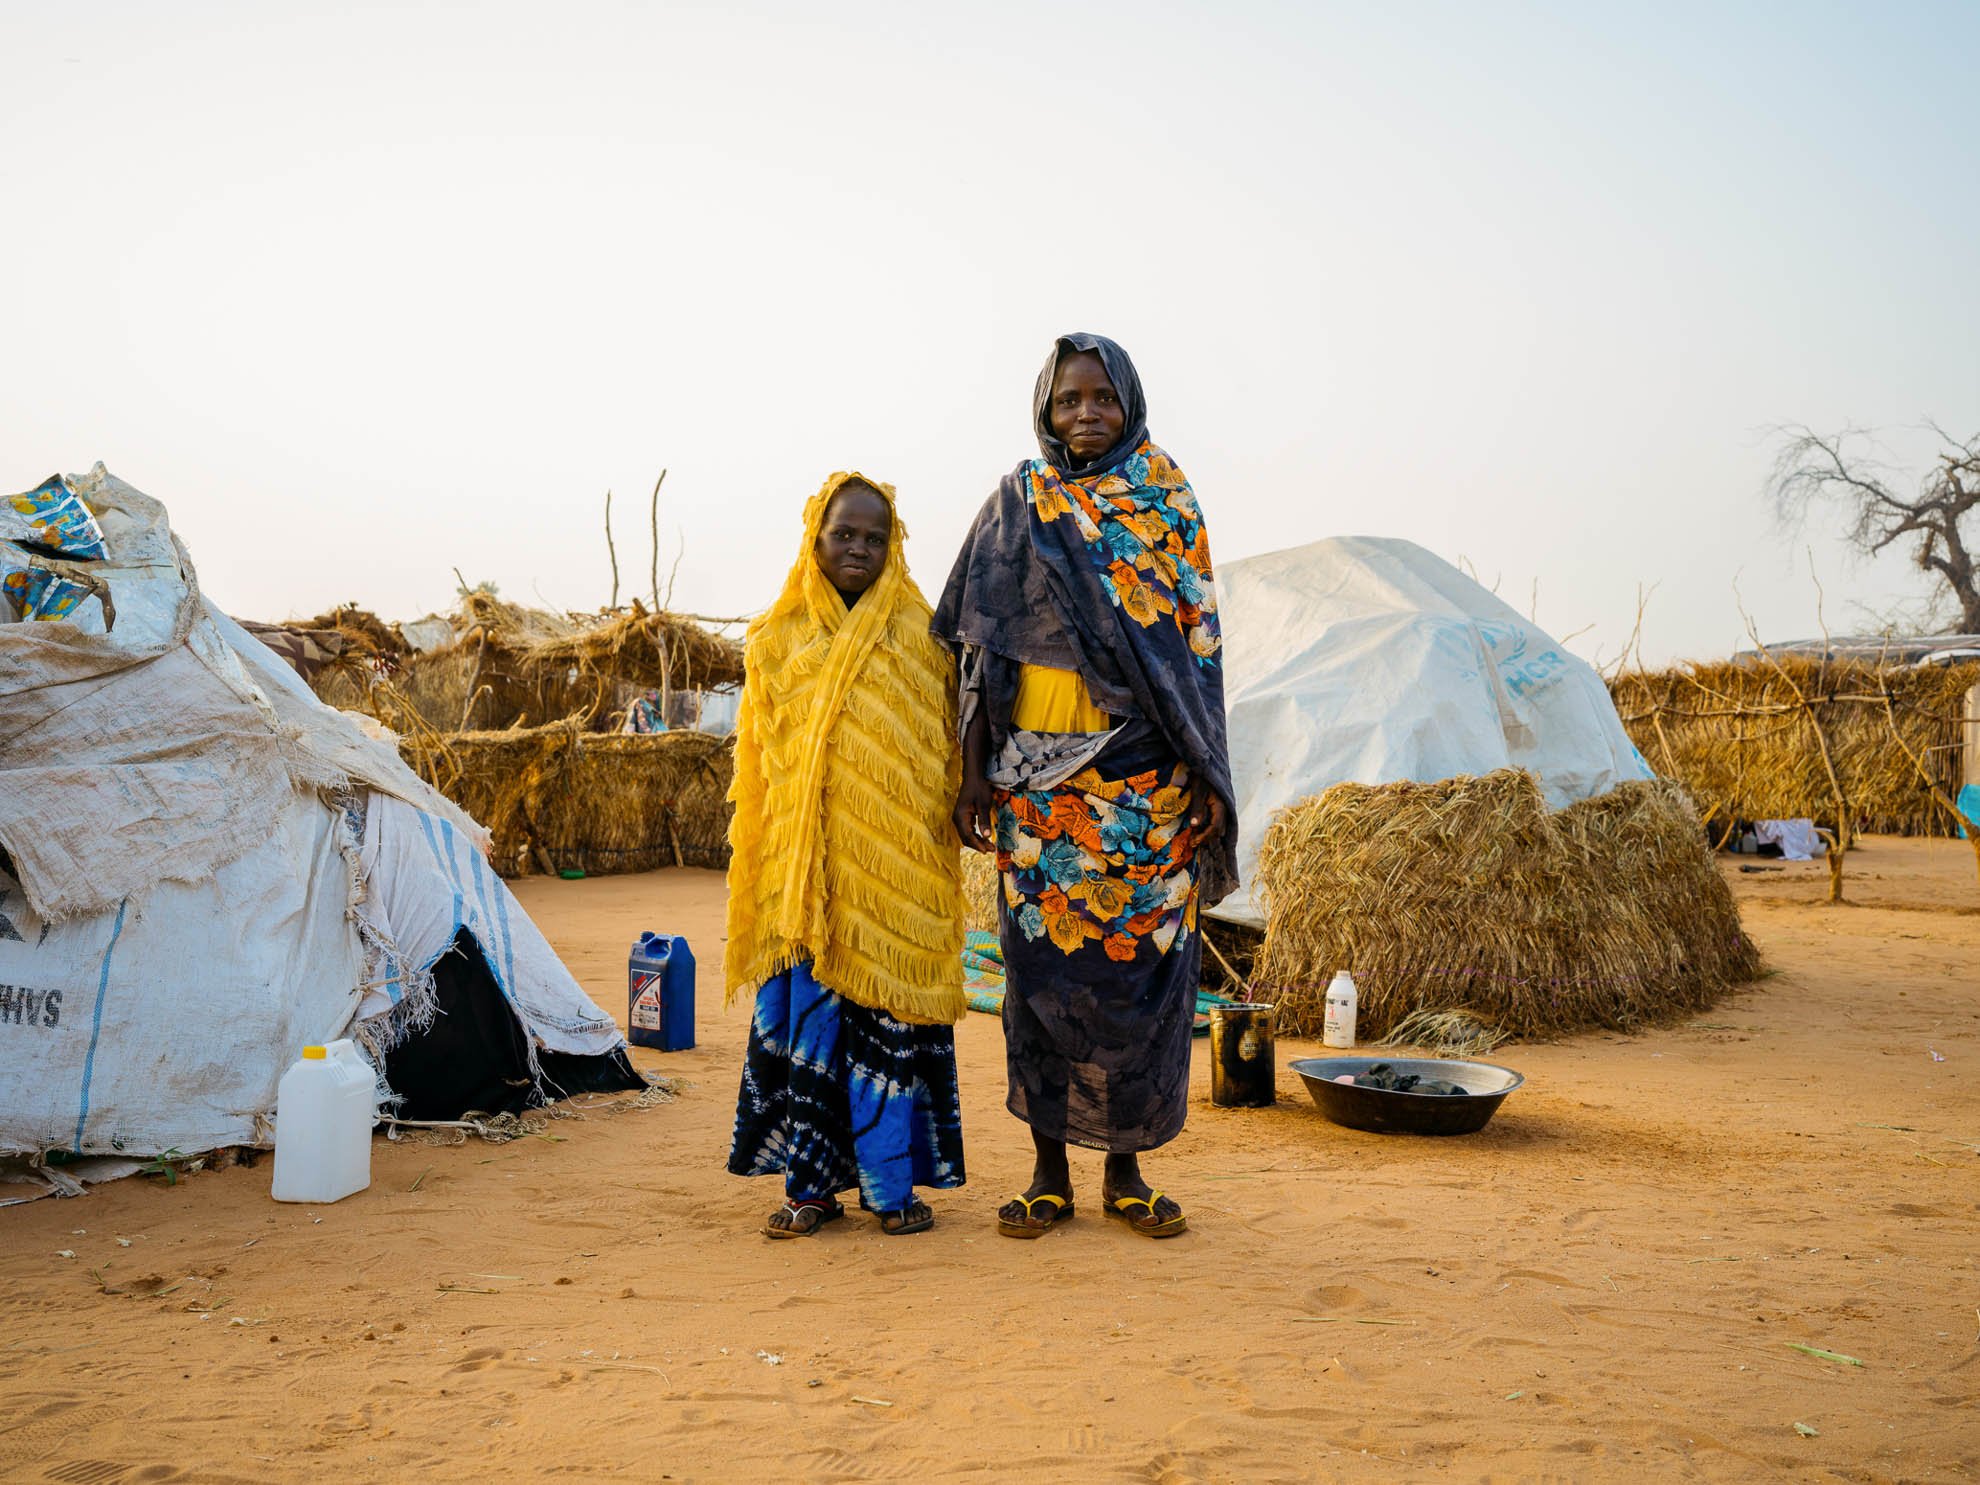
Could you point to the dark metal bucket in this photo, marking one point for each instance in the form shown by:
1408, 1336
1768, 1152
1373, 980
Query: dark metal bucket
1243, 1056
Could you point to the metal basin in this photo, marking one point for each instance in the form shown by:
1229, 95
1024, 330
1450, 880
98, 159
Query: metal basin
1387, 1112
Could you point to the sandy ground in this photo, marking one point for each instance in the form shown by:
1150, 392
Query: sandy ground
1607, 1284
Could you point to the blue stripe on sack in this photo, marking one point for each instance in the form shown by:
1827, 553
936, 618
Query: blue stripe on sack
502, 918
487, 914
96, 1028
440, 860
454, 872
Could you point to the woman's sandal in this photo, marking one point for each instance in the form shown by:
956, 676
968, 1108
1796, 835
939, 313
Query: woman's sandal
916, 1216
1151, 1225
805, 1218
1062, 1211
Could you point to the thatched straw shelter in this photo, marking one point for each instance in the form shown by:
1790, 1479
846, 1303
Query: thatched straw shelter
516, 718
1852, 744
1470, 895
509, 666
560, 799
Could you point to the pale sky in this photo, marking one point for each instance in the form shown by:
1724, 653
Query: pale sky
368, 292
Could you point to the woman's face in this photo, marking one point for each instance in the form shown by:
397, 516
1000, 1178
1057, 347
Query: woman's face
1086, 413
852, 546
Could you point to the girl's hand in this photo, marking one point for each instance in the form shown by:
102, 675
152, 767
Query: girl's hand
1206, 815
973, 814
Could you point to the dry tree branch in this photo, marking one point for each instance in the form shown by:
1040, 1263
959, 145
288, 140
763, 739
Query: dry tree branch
680, 551
654, 513
611, 551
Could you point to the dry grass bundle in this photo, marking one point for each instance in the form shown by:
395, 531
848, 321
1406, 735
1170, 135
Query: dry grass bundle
558, 799
1445, 1033
1781, 738
1470, 895
364, 633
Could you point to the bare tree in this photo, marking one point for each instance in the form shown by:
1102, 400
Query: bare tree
1938, 525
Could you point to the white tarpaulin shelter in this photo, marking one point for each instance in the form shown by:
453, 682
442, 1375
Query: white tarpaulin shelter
212, 869
1367, 659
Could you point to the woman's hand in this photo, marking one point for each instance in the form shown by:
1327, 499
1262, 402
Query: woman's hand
973, 814
1206, 814
975, 810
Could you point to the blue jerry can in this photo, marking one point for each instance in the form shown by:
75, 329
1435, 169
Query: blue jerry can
660, 993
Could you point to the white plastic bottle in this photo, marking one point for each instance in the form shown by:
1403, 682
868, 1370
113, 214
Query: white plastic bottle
324, 1111
1338, 1027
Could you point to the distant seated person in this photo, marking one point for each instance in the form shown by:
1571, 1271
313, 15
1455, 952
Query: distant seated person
645, 714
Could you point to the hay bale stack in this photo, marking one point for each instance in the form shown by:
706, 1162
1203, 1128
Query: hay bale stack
1471, 895
558, 799
1743, 737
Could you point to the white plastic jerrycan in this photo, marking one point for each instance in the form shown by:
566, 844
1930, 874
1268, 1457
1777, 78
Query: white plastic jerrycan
324, 1111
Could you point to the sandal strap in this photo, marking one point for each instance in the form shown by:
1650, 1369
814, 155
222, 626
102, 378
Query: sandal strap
1058, 1202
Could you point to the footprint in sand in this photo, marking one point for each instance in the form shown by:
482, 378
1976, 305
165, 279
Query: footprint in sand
1539, 1276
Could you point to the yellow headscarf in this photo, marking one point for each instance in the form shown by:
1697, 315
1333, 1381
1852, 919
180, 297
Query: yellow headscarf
841, 848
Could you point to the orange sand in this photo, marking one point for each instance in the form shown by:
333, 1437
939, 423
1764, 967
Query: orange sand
1604, 1285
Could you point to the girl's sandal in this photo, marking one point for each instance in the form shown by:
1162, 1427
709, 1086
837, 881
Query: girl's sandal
1150, 1225
1062, 1211
916, 1216
803, 1218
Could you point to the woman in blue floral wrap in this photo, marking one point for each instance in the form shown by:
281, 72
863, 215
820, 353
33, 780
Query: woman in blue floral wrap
1095, 765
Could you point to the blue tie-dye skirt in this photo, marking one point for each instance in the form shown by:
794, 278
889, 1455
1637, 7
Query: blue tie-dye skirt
836, 1095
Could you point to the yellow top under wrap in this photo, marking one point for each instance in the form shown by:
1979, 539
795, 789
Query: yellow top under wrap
1054, 700
842, 850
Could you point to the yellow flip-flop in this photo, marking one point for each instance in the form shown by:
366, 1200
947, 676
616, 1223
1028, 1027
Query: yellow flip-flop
1062, 1211
1168, 1227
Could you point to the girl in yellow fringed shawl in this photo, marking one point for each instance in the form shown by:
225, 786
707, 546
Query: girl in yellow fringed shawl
845, 896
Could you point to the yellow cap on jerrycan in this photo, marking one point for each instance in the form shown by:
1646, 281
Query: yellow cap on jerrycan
312, 1054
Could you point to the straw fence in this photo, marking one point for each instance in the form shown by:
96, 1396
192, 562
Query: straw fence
1855, 746
558, 798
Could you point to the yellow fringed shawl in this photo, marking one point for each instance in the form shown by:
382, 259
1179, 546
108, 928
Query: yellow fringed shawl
842, 850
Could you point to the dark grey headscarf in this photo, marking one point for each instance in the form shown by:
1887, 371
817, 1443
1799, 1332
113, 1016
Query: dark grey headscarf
1127, 386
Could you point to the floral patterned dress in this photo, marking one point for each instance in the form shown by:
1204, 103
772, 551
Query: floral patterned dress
1100, 889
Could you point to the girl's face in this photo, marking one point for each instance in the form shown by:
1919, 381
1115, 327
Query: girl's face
852, 544
1086, 414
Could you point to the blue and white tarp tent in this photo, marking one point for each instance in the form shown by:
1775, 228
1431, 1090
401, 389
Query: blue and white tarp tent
1367, 659
206, 868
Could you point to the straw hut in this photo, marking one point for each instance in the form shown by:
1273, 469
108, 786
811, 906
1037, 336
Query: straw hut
516, 716
510, 666
1471, 896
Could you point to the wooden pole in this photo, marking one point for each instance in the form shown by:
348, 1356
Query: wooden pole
611, 551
